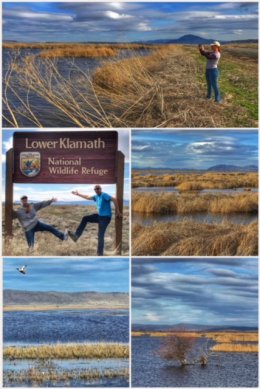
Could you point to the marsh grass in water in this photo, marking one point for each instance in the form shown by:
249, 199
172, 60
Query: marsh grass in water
234, 341
69, 217
169, 83
68, 351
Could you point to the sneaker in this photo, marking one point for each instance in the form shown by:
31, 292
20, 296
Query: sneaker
73, 236
66, 235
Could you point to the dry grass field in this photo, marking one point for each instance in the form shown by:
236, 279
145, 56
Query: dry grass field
233, 341
195, 181
189, 238
164, 89
42, 307
69, 217
190, 203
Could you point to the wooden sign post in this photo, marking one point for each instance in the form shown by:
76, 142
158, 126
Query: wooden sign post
65, 158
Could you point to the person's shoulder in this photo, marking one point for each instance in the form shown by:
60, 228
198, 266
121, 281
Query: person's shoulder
106, 196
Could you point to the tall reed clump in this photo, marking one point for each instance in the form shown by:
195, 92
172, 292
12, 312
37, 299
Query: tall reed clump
69, 351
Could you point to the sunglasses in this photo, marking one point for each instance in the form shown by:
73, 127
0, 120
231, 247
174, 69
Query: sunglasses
98, 188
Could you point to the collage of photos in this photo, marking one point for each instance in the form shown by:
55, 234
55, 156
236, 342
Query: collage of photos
130, 190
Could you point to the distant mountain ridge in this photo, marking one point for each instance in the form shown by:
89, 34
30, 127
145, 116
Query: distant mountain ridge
233, 168
215, 168
19, 297
189, 327
195, 39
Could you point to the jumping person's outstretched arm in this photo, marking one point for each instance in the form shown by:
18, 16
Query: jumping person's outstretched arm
43, 204
87, 197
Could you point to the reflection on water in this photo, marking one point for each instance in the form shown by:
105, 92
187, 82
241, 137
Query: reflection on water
149, 219
68, 364
223, 369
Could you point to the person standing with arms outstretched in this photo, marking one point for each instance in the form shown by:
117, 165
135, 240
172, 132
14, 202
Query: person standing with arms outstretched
102, 217
212, 73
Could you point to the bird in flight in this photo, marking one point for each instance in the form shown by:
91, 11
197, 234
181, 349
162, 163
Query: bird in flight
22, 269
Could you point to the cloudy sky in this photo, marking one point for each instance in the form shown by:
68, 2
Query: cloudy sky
127, 21
40, 192
195, 291
196, 149
68, 274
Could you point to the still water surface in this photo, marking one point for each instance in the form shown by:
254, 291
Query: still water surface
223, 369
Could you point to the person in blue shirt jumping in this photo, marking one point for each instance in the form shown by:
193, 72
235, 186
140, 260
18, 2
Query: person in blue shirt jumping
102, 217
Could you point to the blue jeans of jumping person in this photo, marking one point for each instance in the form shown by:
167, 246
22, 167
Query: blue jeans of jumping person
40, 227
103, 222
212, 82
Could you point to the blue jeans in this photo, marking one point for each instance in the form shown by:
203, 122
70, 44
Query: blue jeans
40, 227
103, 222
212, 82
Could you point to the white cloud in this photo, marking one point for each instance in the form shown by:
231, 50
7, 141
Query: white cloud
38, 15
117, 16
117, 5
152, 317
8, 144
143, 27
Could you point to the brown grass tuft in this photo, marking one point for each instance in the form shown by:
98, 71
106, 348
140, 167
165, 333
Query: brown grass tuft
189, 238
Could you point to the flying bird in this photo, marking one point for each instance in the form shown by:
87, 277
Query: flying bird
22, 269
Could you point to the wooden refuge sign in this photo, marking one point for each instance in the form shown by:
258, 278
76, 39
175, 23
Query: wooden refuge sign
89, 157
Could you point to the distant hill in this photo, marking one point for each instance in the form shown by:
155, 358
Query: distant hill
195, 40
18, 297
215, 168
189, 327
233, 168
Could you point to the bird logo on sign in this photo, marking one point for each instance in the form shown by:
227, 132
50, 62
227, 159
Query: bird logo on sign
30, 163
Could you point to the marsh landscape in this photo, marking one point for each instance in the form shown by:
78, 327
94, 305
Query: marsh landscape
185, 331
65, 339
221, 370
129, 76
199, 211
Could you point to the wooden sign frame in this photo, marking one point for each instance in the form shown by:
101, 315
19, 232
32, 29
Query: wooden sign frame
119, 181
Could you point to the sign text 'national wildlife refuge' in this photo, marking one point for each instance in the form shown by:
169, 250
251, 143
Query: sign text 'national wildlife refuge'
65, 157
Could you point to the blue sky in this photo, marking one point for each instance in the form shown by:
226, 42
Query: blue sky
40, 192
128, 21
68, 274
196, 149
195, 291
